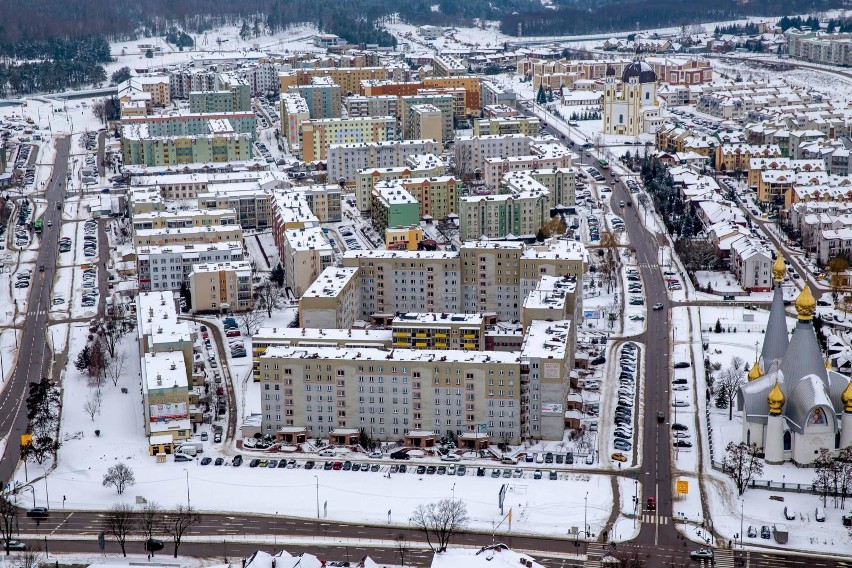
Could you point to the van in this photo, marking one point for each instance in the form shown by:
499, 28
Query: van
509, 460
187, 450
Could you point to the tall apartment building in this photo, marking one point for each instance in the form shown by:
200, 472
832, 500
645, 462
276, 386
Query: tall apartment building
221, 287
494, 94
833, 49
332, 300
318, 135
306, 253
323, 200
294, 111
168, 267
554, 298
232, 94
408, 111
138, 146
252, 204
194, 124
165, 395
406, 281
345, 160
547, 358
322, 96
472, 151
496, 168
187, 235
421, 165
559, 183
519, 213
385, 105
448, 391
425, 121
448, 66
436, 196
469, 83
392, 207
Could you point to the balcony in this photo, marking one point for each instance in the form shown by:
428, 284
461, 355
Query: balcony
469, 345
401, 334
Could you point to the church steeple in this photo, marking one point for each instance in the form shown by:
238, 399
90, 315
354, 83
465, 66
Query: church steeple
775, 339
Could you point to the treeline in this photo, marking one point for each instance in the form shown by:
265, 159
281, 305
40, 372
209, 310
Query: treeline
736, 29
626, 15
52, 64
798, 22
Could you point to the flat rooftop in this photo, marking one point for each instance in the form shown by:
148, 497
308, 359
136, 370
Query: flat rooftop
330, 282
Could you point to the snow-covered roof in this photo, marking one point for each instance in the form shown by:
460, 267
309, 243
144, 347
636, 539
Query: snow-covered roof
331, 282
495, 556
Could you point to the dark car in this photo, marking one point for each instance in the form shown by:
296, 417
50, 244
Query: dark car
310, 464
238, 461
681, 365
282, 464
677, 427
480, 472
254, 463
402, 468
421, 469
682, 444
598, 360
38, 513
400, 456
347, 465
154, 544
356, 467
328, 465
206, 461
431, 470
764, 532
375, 467
219, 461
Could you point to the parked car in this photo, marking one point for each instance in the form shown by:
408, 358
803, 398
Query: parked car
38, 513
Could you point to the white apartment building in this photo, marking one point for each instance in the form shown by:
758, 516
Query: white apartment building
167, 267
345, 160
472, 151
306, 254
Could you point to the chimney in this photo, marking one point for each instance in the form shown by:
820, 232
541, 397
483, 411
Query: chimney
159, 380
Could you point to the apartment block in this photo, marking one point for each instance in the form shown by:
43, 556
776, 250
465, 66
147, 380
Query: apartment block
290, 210
187, 235
426, 122
331, 301
414, 166
423, 330
396, 281
472, 151
252, 204
318, 135
833, 49
306, 253
411, 107
194, 124
323, 200
393, 206
322, 97
349, 78
436, 195
520, 213
547, 359
385, 105
553, 298
543, 156
559, 183
528, 126
469, 83
345, 160
167, 267
494, 94
184, 218
294, 111
221, 287
448, 66
447, 391
165, 395
139, 147
232, 95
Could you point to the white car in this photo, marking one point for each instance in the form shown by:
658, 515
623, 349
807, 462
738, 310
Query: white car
450, 458
376, 454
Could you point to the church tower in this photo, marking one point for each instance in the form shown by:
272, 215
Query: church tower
775, 340
846, 420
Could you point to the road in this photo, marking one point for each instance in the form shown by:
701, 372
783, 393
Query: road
33, 357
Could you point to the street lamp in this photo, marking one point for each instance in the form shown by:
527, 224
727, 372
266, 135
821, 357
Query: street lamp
275, 534
186, 471
585, 514
742, 505
454, 492
317, 480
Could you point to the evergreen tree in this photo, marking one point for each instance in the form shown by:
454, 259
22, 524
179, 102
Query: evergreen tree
541, 97
83, 358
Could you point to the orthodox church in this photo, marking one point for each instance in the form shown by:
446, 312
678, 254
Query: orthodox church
633, 109
794, 404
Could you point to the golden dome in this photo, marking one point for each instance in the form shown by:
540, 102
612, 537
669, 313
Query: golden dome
776, 400
806, 304
846, 398
827, 363
755, 372
778, 269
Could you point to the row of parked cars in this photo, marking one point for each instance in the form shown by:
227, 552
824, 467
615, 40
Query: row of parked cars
90, 287
594, 228
623, 434
22, 235
632, 185
90, 239
234, 337
22, 280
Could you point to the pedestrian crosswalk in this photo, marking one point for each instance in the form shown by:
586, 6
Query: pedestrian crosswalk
35, 313
724, 558
594, 552
651, 518
648, 265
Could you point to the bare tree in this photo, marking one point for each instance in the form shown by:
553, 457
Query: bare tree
177, 522
727, 385
250, 320
402, 548
92, 406
119, 476
29, 559
823, 474
270, 296
742, 464
8, 520
111, 331
151, 521
440, 521
120, 522
97, 363
116, 367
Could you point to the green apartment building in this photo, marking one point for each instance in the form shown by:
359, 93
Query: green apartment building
392, 207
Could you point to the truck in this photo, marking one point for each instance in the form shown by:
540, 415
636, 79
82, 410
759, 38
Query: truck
194, 447
780, 533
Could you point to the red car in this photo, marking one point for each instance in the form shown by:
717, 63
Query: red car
337, 466
233, 333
